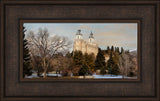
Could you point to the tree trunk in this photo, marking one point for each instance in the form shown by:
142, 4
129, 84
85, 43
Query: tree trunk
45, 73
38, 74
45, 68
123, 75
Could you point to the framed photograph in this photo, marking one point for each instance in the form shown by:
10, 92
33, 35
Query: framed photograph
65, 49
80, 50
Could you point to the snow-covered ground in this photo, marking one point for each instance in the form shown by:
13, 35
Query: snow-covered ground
59, 75
34, 75
107, 76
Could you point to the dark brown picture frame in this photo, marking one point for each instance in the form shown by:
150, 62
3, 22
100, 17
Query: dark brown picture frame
14, 87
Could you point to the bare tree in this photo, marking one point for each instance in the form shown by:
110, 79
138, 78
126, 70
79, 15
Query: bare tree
44, 46
62, 64
36, 64
125, 63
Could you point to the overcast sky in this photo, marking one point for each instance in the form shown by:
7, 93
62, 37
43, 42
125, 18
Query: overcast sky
105, 34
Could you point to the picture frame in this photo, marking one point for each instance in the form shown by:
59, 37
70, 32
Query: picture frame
14, 13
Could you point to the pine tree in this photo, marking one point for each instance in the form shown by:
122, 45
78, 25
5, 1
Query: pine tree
116, 70
115, 48
71, 54
78, 58
68, 55
122, 50
103, 71
118, 49
83, 70
110, 64
100, 60
108, 50
112, 49
26, 57
89, 62
116, 58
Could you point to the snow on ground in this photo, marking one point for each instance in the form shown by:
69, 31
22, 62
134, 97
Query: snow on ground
109, 76
59, 75
34, 75
106, 76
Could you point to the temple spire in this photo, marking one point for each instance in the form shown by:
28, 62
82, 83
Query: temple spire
91, 38
78, 32
91, 35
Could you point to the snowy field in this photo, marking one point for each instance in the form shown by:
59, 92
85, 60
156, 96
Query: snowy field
109, 76
94, 76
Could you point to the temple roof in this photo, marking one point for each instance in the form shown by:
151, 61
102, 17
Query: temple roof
91, 35
79, 32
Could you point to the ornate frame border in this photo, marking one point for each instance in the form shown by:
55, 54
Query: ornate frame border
88, 2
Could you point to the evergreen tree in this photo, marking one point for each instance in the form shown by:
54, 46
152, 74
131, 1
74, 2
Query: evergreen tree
112, 49
110, 64
89, 62
83, 70
115, 48
116, 70
108, 50
100, 60
122, 50
116, 58
103, 71
68, 55
78, 58
118, 49
26, 57
72, 54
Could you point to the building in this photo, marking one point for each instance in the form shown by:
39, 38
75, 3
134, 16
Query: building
89, 46
106, 56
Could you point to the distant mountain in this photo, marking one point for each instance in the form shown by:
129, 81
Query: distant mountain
133, 52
